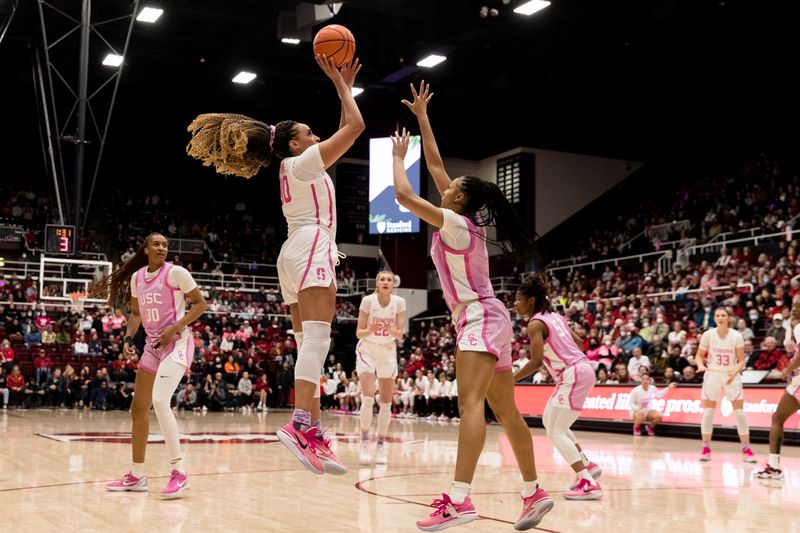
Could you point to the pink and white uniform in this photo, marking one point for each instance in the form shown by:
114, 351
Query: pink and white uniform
483, 323
567, 364
794, 387
721, 362
309, 254
162, 302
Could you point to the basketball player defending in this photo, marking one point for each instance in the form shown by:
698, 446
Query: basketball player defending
482, 322
236, 144
158, 293
554, 344
789, 404
725, 349
381, 321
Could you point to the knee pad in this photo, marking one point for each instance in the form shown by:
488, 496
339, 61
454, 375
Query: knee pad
313, 352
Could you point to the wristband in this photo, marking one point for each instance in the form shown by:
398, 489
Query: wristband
127, 340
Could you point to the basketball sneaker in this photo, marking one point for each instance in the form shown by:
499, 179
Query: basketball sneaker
533, 510
748, 456
594, 471
176, 486
448, 514
585, 491
637, 430
128, 483
330, 463
706, 454
303, 445
364, 454
769, 473
380, 455
651, 430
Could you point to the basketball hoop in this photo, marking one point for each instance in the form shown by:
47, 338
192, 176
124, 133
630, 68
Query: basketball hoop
76, 301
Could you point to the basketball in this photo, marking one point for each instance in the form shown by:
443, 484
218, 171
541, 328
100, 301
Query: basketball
337, 42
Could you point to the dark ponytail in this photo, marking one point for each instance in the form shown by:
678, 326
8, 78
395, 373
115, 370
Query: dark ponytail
536, 286
118, 284
486, 205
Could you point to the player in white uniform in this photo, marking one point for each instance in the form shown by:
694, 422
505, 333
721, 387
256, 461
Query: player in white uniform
236, 144
789, 404
725, 349
381, 321
640, 403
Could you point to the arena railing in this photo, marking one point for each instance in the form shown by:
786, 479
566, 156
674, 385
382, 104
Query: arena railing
663, 262
10, 233
673, 294
685, 254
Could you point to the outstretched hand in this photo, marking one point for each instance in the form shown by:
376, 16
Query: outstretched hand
400, 143
328, 67
421, 98
349, 71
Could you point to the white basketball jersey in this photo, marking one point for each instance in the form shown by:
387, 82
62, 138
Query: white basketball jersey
721, 352
307, 193
385, 317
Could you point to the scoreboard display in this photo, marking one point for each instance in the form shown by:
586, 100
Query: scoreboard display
59, 239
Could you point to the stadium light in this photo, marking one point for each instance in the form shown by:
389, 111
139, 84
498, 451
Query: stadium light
529, 8
149, 14
290, 40
357, 91
112, 60
244, 77
431, 61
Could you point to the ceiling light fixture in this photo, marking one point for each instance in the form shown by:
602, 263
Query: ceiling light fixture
112, 60
529, 8
149, 14
290, 40
357, 91
244, 77
431, 61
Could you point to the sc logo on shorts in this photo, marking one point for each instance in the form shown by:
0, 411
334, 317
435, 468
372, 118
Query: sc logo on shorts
561, 399
321, 274
472, 339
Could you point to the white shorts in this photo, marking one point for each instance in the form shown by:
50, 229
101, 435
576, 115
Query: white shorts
378, 359
307, 259
573, 385
714, 384
794, 388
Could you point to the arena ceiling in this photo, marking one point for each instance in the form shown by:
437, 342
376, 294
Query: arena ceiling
622, 78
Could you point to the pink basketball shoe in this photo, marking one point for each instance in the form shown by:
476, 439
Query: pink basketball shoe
128, 483
533, 510
747, 455
303, 444
176, 486
585, 491
330, 462
448, 514
706, 454
594, 471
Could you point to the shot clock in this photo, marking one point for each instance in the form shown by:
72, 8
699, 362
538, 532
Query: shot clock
59, 239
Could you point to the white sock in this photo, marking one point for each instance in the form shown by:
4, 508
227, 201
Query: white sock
529, 488
137, 469
774, 460
177, 464
458, 492
584, 474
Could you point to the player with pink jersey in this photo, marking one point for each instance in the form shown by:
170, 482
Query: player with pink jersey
789, 403
725, 349
555, 345
483, 324
157, 292
239, 145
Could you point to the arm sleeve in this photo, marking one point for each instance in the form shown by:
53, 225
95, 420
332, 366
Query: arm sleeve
634, 401
455, 232
739, 340
401, 304
134, 292
307, 166
181, 278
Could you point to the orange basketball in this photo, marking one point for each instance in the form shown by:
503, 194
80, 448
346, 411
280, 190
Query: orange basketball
336, 42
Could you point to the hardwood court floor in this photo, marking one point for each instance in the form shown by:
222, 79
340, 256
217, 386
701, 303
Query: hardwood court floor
53, 465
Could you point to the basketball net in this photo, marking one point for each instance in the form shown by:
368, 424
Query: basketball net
76, 301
